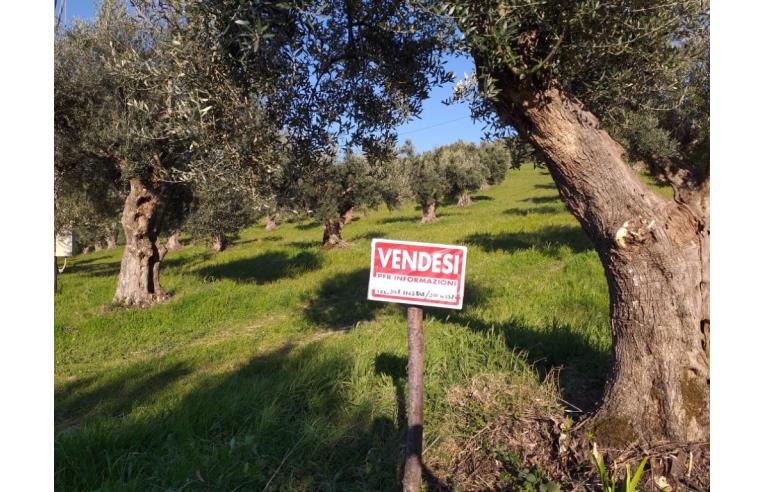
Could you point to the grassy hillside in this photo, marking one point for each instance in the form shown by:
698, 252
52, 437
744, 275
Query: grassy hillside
269, 368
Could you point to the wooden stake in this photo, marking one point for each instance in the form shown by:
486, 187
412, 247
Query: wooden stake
412, 475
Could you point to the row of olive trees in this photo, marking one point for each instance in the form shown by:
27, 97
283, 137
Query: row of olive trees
449, 172
214, 210
454, 171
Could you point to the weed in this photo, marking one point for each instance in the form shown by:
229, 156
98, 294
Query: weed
609, 482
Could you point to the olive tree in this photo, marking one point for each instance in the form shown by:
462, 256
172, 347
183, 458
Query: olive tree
463, 170
589, 85
147, 94
428, 183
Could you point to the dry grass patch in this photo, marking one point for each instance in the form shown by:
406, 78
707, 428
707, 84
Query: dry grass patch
506, 432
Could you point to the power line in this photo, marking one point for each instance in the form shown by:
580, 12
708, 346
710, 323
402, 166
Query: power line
433, 126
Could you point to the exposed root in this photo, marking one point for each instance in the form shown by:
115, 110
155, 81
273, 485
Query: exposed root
336, 244
143, 301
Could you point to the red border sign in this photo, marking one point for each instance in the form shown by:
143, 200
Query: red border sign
423, 274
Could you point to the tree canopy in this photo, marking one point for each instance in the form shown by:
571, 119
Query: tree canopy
641, 67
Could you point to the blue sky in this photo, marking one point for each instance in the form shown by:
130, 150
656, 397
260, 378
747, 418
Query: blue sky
437, 124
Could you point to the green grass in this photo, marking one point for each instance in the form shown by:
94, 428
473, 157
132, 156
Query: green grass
269, 367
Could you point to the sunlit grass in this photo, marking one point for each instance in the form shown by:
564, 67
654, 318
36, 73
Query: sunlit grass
268, 366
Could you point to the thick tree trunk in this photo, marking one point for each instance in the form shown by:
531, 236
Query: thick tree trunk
173, 243
98, 245
464, 200
485, 187
138, 282
347, 217
270, 223
219, 242
428, 213
333, 234
655, 255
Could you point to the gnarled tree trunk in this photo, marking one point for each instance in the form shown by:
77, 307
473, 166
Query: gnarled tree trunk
219, 242
655, 255
98, 245
173, 243
464, 200
333, 234
428, 213
138, 282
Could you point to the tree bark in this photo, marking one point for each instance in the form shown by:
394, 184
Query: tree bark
98, 245
428, 213
655, 255
173, 243
270, 223
138, 282
465, 200
219, 242
485, 187
333, 234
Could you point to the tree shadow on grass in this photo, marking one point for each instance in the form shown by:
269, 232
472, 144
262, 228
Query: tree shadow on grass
395, 220
307, 226
369, 236
543, 199
109, 269
546, 186
523, 212
173, 260
304, 244
548, 240
264, 268
411, 218
482, 198
84, 397
82, 260
283, 420
341, 301
258, 239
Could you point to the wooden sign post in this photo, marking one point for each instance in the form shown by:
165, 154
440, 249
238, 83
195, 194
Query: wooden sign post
417, 274
412, 475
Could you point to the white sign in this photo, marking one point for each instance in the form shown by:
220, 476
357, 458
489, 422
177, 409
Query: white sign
417, 273
65, 243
